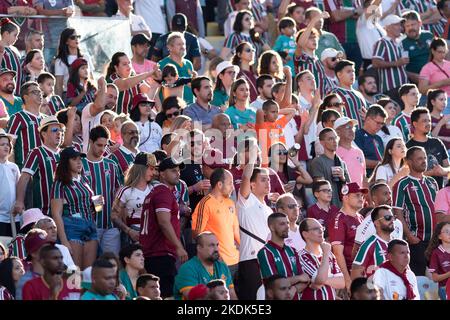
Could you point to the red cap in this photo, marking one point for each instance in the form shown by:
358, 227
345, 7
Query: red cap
199, 292
353, 187
78, 63
139, 98
35, 239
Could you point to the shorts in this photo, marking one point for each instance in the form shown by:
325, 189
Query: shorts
79, 230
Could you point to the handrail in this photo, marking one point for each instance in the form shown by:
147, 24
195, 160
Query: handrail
60, 17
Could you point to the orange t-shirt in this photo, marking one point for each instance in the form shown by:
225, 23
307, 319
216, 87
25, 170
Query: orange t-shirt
269, 133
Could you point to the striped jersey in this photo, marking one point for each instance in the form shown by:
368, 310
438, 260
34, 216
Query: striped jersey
5, 294
310, 265
422, 6
77, 198
371, 254
416, 198
125, 99
11, 61
403, 122
103, 177
24, 125
16, 247
123, 159
313, 64
344, 30
55, 104
274, 259
234, 39
388, 50
353, 102
41, 165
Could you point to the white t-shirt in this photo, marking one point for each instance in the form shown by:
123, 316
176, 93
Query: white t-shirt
257, 104
295, 241
367, 229
9, 176
391, 283
385, 173
88, 122
150, 136
67, 258
133, 199
368, 34
62, 70
137, 23
152, 14
252, 216
228, 25
290, 130
394, 133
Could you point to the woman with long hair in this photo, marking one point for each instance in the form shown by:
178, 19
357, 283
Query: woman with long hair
226, 75
10, 59
271, 63
393, 166
68, 52
241, 116
244, 58
11, 270
121, 73
438, 255
389, 131
132, 261
170, 109
80, 91
73, 209
127, 208
33, 65
436, 104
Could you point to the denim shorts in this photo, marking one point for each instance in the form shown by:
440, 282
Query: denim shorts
79, 229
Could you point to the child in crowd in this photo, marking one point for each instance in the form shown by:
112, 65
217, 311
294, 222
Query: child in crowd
285, 44
51, 103
118, 121
107, 119
80, 91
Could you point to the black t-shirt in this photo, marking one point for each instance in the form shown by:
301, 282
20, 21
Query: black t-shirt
436, 154
192, 174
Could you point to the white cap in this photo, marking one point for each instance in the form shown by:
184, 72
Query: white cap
329, 53
48, 121
226, 64
391, 19
343, 121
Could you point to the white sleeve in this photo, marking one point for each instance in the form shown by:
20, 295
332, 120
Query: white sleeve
60, 68
378, 279
382, 174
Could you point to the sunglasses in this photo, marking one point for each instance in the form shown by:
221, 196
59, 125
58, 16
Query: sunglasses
55, 130
73, 37
282, 152
249, 50
170, 115
387, 217
147, 104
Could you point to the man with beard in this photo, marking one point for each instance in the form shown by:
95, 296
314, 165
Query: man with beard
278, 258
330, 57
438, 164
127, 152
264, 85
52, 285
413, 203
40, 166
203, 268
369, 89
201, 111
277, 287
372, 252
105, 99
417, 44
13, 104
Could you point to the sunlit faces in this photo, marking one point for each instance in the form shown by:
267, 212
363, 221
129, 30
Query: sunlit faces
5, 148
347, 75
418, 161
83, 72
47, 87
75, 165
10, 37
440, 53
391, 110
123, 69
242, 92
399, 149
423, 124
7, 83
37, 62
440, 102
412, 28
177, 47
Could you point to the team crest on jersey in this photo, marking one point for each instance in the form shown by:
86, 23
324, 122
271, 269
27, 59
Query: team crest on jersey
107, 172
277, 259
87, 173
414, 188
292, 259
445, 264
353, 227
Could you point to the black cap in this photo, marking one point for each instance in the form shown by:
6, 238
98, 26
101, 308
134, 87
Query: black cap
69, 153
179, 22
168, 163
145, 159
140, 38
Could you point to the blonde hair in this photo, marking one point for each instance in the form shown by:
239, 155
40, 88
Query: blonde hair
121, 117
178, 122
134, 174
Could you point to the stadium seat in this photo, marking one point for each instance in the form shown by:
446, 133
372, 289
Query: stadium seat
428, 289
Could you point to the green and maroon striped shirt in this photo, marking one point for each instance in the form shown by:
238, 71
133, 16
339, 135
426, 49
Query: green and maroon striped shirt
354, 101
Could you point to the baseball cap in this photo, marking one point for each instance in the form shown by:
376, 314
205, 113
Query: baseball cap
145, 159
179, 20
34, 240
199, 292
6, 70
329, 53
391, 19
226, 64
353, 187
140, 38
31, 216
343, 121
78, 63
48, 121
139, 98
70, 152
168, 163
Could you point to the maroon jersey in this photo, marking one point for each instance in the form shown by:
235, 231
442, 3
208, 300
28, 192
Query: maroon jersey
38, 289
440, 263
342, 230
324, 217
152, 239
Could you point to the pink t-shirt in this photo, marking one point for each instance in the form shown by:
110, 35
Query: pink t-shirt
433, 74
141, 68
3, 112
442, 202
354, 159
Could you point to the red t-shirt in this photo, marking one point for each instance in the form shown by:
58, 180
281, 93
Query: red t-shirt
152, 239
342, 230
321, 215
440, 263
38, 289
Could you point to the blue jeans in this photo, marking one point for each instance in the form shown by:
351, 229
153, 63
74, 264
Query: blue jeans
79, 230
109, 240
442, 293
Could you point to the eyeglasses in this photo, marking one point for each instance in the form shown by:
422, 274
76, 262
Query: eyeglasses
282, 152
175, 114
133, 132
335, 104
249, 50
387, 217
293, 206
325, 190
379, 123
75, 36
55, 130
